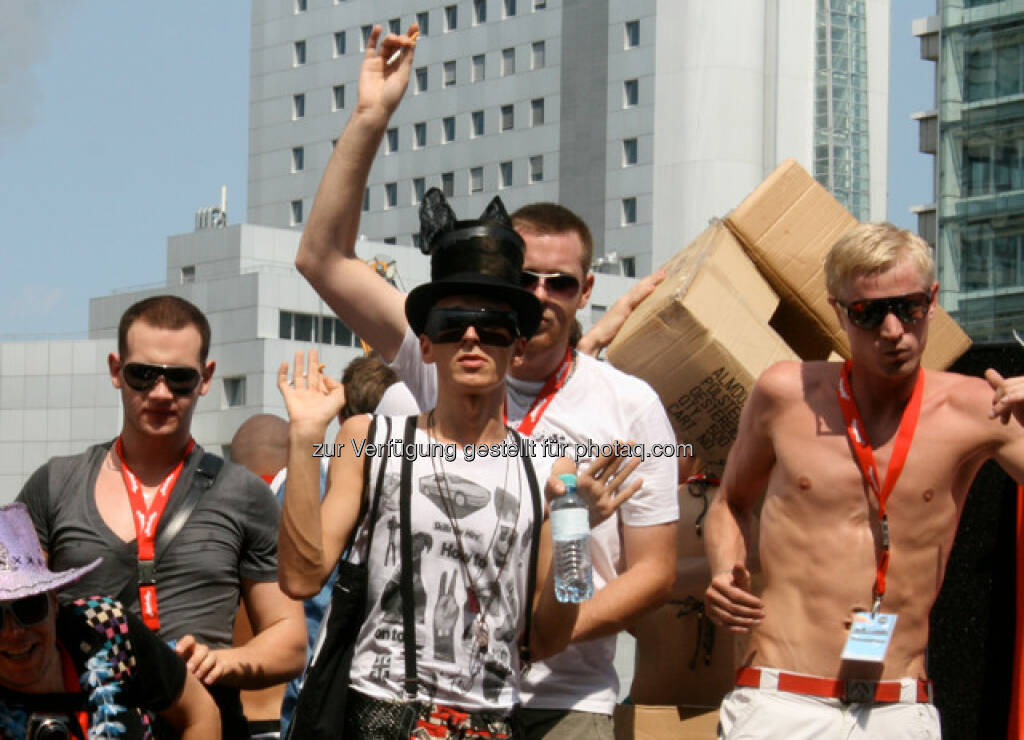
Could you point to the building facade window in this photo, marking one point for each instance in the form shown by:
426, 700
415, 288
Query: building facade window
628, 211
234, 391
366, 199
419, 189
630, 93
451, 17
296, 212
477, 119
306, 327
632, 34
421, 79
298, 157
188, 274
395, 26
476, 179
298, 106
540, 4
300, 6
537, 112
449, 73
630, 152
510, 8
629, 266
391, 141
479, 12
537, 54
505, 175
478, 68
448, 184
339, 43
419, 133
391, 194
536, 168
448, 129
338, 97
299, 53
423, 21
508, 119
365, 36
508, 61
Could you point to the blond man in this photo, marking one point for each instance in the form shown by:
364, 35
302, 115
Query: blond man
864, 467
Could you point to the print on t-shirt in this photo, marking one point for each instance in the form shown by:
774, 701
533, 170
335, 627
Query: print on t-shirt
454, 495
391, 598
446, 614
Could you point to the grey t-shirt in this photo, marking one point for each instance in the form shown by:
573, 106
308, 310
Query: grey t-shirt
231, 535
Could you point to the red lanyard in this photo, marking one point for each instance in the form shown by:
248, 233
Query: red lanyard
547, 393
146, 520
865, 457
72, 686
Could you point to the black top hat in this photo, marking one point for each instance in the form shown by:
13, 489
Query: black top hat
483, 257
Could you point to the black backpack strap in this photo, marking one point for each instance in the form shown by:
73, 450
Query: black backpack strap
405, 582
202, 480
538, 522
371, 495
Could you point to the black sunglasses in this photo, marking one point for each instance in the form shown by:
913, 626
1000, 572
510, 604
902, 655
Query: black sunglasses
28, 611
495, 327
559, 283
181, 380
869, 314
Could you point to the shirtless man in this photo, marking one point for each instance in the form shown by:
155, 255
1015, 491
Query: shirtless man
823, 534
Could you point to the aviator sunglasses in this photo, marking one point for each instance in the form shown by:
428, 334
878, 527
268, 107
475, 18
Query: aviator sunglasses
559, 283
27, 612
869, 314
495, 327
181, 380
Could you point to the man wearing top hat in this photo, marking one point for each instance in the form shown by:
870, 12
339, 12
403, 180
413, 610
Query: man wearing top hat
88, 668
553, 392
475, 520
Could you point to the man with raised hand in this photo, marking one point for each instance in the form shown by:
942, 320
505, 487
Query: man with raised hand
864, 467
182, 534
553, 393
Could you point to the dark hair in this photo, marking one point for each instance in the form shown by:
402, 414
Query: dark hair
365, 380
165, 312
551, 218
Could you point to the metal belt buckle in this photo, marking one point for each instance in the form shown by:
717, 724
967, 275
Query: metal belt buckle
859, 691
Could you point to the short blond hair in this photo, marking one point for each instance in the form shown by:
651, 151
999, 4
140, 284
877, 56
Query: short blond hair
871, 248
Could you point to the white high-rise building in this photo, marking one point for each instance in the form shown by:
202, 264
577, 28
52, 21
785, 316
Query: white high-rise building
646, 117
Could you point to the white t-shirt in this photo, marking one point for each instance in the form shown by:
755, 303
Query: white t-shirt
489, 499
601, 405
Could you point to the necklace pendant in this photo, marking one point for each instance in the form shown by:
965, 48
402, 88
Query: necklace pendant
472, 602
483, 635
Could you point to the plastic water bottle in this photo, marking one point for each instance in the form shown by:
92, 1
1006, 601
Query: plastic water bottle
570, 531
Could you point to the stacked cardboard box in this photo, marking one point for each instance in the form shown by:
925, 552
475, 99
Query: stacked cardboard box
748, 292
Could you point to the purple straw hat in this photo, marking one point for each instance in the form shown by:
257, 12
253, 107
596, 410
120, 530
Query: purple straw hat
23, 570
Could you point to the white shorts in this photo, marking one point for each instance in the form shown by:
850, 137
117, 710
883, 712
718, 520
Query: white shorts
749, 713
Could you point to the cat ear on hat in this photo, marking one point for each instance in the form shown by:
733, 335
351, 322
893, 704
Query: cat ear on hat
436, 217
496, 213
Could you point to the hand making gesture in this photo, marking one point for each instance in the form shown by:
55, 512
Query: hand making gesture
312, 398
1008, 398
384, 74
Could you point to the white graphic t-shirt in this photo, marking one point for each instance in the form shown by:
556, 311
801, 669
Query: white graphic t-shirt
598, 405
470, 600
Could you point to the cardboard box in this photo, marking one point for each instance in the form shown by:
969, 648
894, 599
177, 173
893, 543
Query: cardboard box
787, 225
701, 339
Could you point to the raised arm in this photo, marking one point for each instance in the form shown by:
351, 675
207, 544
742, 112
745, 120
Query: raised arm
370, 305
312, 533
607, 327
731, 514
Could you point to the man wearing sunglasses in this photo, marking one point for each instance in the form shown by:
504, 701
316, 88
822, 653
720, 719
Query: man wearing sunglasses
864, 467
117, 500
553, 393
85, 667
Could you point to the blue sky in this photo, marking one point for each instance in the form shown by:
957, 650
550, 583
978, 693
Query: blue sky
121, 119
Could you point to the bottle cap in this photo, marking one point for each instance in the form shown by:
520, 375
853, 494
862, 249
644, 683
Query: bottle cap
569, 479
